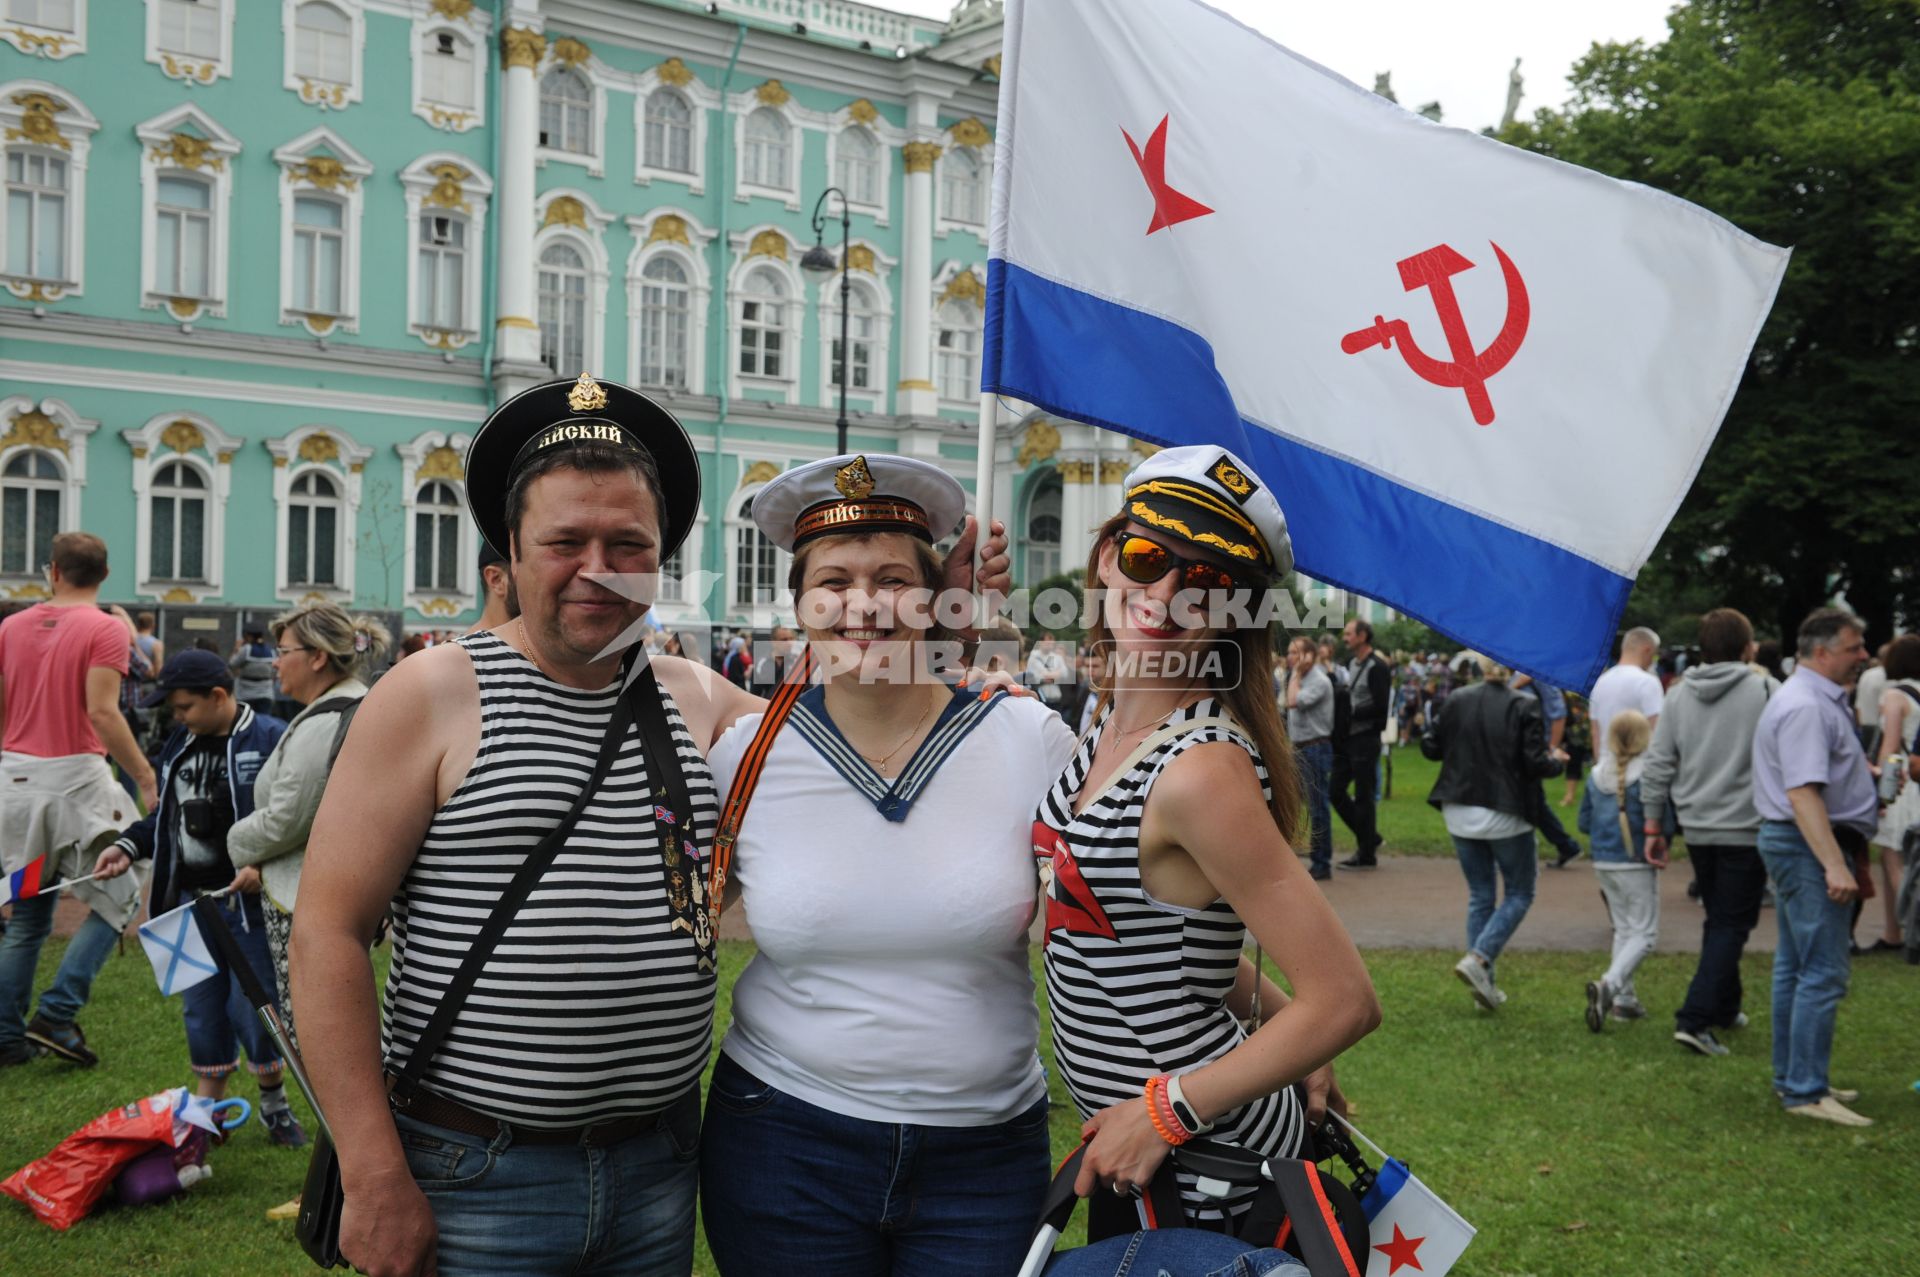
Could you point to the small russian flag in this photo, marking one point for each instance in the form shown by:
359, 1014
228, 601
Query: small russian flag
29, 881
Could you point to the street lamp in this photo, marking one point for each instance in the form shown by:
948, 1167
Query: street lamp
819, 263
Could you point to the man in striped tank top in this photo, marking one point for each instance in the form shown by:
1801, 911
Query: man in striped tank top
555, 1128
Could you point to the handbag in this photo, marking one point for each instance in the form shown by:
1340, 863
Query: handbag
318, 1228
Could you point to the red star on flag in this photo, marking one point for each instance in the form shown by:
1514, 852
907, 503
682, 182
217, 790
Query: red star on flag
1169, 206
1402, 1251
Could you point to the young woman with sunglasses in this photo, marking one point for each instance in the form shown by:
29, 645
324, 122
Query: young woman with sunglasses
1170, 836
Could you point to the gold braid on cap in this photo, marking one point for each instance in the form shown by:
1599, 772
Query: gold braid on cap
1195, 495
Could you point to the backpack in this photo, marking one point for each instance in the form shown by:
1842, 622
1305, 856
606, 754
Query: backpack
346, 707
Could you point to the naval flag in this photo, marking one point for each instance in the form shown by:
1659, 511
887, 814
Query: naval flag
1480, 381
177, 950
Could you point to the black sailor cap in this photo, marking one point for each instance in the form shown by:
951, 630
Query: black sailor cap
558, 413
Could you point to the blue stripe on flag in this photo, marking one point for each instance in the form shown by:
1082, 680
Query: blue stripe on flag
1388, 1180
1540, 608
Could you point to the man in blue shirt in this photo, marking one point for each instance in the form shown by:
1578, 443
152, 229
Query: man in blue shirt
1818, 806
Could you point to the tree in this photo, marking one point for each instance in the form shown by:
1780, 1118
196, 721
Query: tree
1799, 121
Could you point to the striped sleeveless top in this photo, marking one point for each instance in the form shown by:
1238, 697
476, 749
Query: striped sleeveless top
1137, 987
593, 1006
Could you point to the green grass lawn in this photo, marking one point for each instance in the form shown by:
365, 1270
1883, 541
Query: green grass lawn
1572, 1154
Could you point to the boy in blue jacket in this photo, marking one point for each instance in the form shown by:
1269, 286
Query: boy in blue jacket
207, 770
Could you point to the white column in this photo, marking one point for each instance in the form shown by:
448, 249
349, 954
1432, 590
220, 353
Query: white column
916, 396
1080, 511
517, 330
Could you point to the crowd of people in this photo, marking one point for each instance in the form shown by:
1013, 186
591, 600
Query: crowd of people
550, 828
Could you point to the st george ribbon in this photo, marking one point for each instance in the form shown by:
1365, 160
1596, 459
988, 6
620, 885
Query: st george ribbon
1479, 380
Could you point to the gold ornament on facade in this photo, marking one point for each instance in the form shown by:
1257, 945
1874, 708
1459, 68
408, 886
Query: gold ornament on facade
139, 452
321, 324
860, 257
970, 132
442, 463
915, 383
570, 52
768, 244
191, 72
324, 172
446, 192
670, 227
992, 66
279, 463
1041, 442
965, 286
184, 150
37, 44
319, 449
1075, 471
675, 72
587, 395
919, 156
35, 290
448, 121
863, 111
444, 338
314, 93
33, 429
184, 307
37, 124
452, 10
773, 93
1142, 448
564, 210
178, 594
226, 458
439, 607
1114, 471
358, 467
522, 47
758, 472
31, 590
183, 436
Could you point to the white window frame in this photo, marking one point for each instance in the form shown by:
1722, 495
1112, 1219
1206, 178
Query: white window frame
827, 312
943, 223
590, 242
889, 140
53, 43
702, 100
940, 300
415, 455
692, 257
325, 94
689, 605
213, 165
1046, 485
740, 520
300, 177
208, 449
69, 450
594, 158
187, 69
448, 116
70, 139
742, 106
423, 182
344, 467
787, 384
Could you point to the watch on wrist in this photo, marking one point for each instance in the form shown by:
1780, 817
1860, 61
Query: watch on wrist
1177, 1100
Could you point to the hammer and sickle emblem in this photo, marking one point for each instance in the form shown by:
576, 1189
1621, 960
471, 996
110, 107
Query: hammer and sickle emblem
1469, 369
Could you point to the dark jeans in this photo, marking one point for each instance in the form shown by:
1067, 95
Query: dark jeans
1732, 881
789, 1188
1357, 764
1556, 833
219, 1018
1316, 771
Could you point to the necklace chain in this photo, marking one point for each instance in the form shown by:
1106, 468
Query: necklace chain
526, 643
880, 763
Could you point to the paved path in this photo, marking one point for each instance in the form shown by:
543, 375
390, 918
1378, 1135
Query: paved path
1420, 902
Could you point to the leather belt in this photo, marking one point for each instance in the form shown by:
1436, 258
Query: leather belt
436, 1110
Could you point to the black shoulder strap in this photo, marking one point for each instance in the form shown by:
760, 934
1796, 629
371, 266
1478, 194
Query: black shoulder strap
642, 691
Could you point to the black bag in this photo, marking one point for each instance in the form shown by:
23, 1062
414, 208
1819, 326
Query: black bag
318, 1228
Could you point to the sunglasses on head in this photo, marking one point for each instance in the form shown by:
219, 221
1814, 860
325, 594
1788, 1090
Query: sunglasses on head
1146, 561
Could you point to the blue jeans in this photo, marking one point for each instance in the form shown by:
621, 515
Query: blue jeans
790, 1188
560, 1209
1489, 928
219, 1018
1810, 965
1174, 1252
20, 948
1316, 769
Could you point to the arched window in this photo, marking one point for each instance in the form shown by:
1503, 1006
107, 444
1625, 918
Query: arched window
446, 70
183, 237
863, 330
313, 531
436, 538
322, 43
566, 111
177, 546
319, 254
756, 560
962, 193
769, 148
443, 271
958, 348
856, 165
1043, 531
30, 489
666, 317
563, 308
763, 325
669, 127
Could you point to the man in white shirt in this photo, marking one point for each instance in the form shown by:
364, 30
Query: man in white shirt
1628, 685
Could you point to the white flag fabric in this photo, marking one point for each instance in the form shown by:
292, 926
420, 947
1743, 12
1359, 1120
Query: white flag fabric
177, 950
1409, 1227
1479, 381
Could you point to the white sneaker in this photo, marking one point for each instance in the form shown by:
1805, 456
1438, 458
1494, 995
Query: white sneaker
1828, 1109
1473, 973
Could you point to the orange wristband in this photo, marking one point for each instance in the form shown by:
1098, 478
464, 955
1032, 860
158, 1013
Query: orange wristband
1167, 1127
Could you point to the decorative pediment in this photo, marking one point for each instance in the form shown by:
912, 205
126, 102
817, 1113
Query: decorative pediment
965, 286
187, 137
769, 243
323, 159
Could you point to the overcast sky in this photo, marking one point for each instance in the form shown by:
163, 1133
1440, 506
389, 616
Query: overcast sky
1456, 52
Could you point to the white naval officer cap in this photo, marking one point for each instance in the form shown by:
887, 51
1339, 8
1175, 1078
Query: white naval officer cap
1207, 497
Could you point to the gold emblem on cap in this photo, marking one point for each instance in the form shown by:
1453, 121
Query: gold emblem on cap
853, 480
587, 395
1232, 480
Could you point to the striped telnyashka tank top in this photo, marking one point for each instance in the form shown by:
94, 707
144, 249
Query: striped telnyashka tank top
1138, 987
593, 1006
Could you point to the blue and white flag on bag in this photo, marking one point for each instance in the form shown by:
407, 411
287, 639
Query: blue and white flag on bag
1409, 1227
177, 950
1480, 381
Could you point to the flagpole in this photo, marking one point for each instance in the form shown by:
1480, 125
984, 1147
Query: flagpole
983, 469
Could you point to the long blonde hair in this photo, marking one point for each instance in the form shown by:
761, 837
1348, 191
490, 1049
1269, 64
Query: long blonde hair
1628, 735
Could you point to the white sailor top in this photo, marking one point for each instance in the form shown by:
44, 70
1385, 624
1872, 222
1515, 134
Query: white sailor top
1138, 987
892, 981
